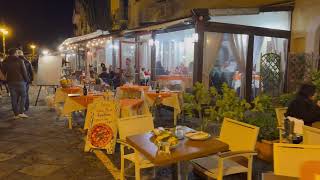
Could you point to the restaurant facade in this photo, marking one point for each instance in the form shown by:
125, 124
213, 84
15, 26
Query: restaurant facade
246, 48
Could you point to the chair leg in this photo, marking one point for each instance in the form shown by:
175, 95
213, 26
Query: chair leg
122, 169
220, 169
249, 173
154, 174
137, 171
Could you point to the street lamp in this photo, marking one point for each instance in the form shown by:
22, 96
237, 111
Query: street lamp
33, 47
4, 33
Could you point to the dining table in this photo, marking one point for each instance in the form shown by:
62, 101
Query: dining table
61, 94
132, 107
166, 98
78, 103
186, 149
130, 91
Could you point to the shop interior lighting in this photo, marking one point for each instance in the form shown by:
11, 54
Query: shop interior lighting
195, 37
151, 42
45, 52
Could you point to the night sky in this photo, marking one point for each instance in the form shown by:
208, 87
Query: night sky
43, 22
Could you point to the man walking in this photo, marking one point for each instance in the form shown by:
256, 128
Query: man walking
17, 76
28, 65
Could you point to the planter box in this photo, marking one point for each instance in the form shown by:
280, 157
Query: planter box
265, 150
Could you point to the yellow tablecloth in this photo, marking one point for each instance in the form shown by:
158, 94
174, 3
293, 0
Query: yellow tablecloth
170, 99
73, 104
62, 93
132, 107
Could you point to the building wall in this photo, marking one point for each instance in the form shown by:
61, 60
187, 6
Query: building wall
306, 26
148, 11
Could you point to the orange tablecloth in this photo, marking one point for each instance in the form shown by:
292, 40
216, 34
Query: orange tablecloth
72, 90
134, 88
85, 100
161, 95
131, 102
168, 79
174, 77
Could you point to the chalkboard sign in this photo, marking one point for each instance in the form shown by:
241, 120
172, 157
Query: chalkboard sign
49, 70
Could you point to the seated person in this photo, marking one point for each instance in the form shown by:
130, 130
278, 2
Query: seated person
303, 106
104, 75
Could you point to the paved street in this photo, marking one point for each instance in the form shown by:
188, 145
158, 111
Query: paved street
42, 148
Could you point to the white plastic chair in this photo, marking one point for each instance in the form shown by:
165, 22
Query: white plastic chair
132, 126
241, 138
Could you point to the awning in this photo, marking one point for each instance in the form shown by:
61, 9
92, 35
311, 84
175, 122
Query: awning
158, 26
93, 35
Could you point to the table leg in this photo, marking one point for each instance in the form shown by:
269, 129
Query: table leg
177, 172
69, 117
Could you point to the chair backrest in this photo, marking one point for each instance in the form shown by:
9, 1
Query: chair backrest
238, 135
311, 135
289, 158
134, 125
280, 115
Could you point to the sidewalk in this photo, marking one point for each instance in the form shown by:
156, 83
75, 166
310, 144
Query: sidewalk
42, 148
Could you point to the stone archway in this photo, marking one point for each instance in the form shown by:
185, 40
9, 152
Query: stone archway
313, 36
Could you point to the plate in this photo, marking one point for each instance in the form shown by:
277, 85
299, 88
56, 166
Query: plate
197, 135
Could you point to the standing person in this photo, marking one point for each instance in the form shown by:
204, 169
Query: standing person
28, 65
129, 74
17, 76
142, 76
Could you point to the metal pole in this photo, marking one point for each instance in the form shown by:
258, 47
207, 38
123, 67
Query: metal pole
4, 44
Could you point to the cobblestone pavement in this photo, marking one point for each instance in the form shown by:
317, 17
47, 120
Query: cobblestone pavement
41, 147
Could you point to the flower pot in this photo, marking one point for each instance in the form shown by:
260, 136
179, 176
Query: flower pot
265, 150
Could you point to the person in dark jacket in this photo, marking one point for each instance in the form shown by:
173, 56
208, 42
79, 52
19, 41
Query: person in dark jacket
28, 65
303, 106
17, 76
104, 75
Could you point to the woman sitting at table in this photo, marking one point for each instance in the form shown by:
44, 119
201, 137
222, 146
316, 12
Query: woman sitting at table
303, 106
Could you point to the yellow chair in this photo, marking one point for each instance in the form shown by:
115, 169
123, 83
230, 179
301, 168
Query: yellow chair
289, 158
280, 118
241, 138
132, 126
311, 135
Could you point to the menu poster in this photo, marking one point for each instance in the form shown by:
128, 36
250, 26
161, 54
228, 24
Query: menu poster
102, 127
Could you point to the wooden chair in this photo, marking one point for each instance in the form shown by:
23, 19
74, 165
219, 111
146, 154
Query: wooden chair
289, 158
311, 135
241, 138
280, 113
132, 126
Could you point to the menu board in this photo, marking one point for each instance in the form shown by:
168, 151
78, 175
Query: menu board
49, 70
102, 126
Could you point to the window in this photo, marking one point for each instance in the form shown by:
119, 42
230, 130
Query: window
128, 51
269, 64
273, 20
175, 56
225, 60
145, 43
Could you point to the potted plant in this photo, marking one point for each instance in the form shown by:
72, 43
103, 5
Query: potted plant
263, 116
196, 103
210, 106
